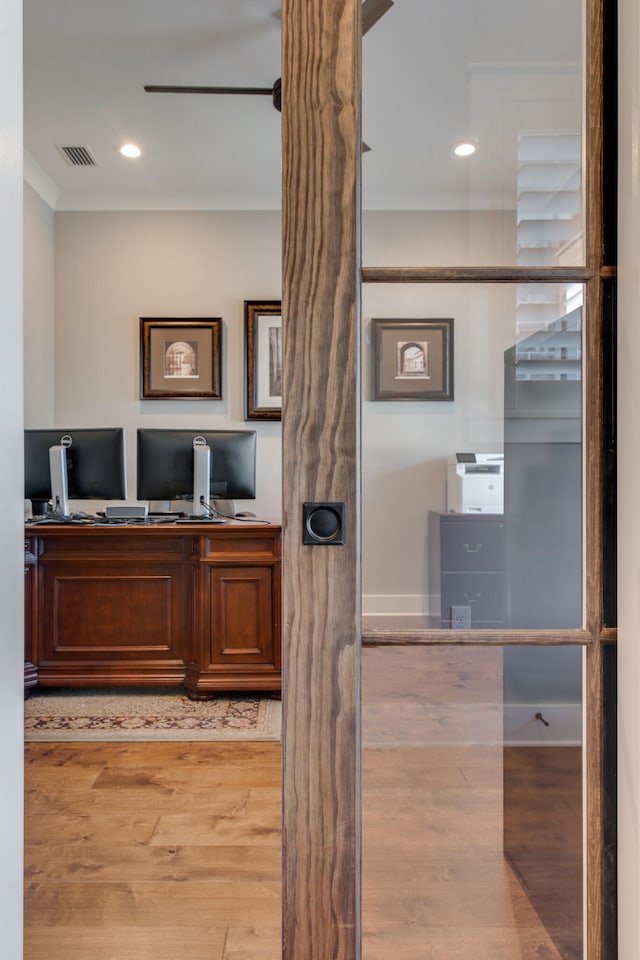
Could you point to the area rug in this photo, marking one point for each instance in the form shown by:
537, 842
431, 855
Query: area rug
153, 713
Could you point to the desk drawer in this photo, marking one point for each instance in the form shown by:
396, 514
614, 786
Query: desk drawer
242, 548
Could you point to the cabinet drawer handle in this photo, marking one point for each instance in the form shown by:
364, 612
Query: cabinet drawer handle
469, 599
476, 548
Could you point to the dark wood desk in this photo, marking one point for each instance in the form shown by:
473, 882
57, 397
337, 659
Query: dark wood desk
194, 605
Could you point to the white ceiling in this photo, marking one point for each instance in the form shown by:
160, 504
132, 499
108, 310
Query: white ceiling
432, 73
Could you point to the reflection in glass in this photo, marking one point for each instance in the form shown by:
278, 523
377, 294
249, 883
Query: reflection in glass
504, 75
472, 509
472, 804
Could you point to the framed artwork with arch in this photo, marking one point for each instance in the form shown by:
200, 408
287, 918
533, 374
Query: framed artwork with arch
181, 359
412, 359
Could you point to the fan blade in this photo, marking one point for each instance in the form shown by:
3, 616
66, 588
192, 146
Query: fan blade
372, 11
224, 90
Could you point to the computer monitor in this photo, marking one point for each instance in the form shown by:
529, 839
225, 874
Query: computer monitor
73, 464
197, 465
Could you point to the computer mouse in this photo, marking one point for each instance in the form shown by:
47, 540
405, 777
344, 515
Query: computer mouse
81, 515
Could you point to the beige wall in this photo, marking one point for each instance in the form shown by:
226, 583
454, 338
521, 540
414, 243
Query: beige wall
112, 268
39, 294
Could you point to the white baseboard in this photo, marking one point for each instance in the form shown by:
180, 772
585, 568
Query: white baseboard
521, 728
395, 605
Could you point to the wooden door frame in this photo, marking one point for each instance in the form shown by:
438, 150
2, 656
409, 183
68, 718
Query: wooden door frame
321, 430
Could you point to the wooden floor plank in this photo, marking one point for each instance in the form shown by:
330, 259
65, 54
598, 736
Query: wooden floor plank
171, 851
104, 862
149, 903
129, 942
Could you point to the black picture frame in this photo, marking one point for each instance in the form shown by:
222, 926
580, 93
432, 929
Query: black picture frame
412, 359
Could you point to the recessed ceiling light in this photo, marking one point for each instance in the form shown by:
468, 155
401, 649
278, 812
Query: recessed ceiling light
464, 149
130, 150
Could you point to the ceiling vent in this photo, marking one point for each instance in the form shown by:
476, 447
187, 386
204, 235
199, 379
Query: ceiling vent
77, 156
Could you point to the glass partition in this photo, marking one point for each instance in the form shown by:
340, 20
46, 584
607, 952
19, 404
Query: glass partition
501, 81
472, 462
472, 803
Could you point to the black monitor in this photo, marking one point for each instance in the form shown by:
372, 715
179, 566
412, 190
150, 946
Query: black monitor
73, 464
197, 465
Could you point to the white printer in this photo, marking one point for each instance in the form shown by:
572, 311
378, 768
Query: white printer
475, 483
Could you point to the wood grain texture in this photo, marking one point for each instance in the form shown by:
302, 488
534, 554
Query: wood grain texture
153, 851
169, 851
396, 631
514, 274
314, 149
321, 589
594, 473
154, 604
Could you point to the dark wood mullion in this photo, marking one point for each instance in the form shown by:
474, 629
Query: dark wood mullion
476, 274
321, 390
594, 477
487, 638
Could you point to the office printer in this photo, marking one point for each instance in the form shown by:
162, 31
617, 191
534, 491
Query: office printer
475, 483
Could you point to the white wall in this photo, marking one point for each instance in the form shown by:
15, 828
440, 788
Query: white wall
11, 555
628, 487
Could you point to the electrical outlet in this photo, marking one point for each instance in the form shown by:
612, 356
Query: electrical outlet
460, 618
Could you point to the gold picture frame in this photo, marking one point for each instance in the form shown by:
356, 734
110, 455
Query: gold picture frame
263, 359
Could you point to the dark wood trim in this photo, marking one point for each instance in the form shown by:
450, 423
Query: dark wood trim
138, 604
321, 411
321, 589
593, 775
488, 638
476, 274
593, 458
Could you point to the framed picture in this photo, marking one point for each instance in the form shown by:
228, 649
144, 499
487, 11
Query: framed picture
181, 359
263, 359
412, 359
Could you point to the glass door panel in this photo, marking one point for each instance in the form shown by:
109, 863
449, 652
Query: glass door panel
506, 79
472, 803
472, 455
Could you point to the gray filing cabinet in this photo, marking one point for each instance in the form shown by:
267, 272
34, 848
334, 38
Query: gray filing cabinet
466, 570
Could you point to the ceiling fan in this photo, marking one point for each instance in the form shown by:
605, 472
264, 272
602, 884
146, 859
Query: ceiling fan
372, 11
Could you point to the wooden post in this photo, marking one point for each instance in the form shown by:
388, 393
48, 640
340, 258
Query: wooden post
321, 384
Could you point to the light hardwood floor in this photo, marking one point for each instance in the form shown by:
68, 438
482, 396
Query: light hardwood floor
436, 884
156, 851
172, 851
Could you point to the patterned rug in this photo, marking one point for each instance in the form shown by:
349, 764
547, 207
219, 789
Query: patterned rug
153, 713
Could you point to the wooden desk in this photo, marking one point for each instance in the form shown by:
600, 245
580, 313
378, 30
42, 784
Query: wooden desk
194, 605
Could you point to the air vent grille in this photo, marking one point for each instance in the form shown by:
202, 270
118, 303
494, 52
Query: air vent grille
78, 156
